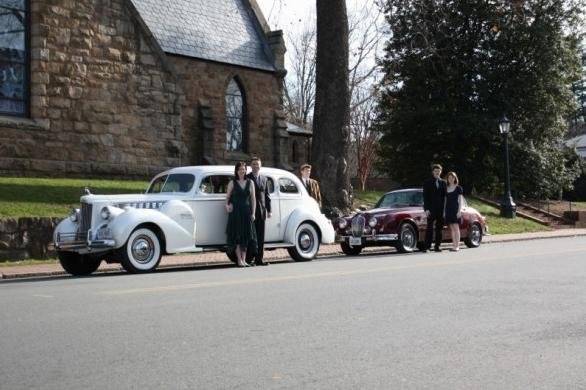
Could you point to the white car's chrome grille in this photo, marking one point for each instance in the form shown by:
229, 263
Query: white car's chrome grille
358, 226
85, 218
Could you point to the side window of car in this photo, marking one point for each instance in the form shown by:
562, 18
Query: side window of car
157, 185
215, 184
179, 182
287, 186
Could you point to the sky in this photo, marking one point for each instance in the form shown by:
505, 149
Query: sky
291, 15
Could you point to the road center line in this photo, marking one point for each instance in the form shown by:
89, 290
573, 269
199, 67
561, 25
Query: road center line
433, 264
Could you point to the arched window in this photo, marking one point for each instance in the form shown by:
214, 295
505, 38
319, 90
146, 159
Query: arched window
235, 117
13, 57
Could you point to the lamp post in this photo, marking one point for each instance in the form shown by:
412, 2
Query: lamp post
508, 207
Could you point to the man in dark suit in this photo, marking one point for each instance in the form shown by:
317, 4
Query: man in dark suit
263, 208
311, 185
434, 198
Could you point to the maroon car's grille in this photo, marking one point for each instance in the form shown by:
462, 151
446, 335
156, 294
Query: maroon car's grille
358, 226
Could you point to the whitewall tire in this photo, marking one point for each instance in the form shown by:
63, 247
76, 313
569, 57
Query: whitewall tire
306, 243
142, 252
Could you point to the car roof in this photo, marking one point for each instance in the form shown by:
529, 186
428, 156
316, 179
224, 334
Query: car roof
203, 169
405, 190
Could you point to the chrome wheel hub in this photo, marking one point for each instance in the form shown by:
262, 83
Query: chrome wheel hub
143, 249
408, 239
305, 241
475, 236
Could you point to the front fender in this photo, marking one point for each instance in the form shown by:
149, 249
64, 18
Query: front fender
299, 216
176, 236
65, 226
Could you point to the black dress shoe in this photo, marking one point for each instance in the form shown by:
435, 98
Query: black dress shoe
437, 249
261, 263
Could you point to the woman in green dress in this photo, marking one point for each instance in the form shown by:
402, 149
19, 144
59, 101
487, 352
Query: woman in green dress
240, 205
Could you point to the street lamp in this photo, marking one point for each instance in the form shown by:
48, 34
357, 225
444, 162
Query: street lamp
508, 207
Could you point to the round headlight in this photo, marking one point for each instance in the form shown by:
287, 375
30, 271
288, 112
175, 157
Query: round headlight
342, 223
105, 213
372, 222
74, 215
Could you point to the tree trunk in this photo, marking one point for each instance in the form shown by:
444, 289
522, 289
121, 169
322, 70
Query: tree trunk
332, 105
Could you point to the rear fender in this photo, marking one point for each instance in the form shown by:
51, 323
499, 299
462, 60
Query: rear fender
298, 216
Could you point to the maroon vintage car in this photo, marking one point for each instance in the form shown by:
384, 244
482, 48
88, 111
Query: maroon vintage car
398, 220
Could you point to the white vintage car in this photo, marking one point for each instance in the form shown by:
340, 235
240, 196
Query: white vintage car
183, 211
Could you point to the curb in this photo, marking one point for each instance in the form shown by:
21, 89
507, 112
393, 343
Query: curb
568, 233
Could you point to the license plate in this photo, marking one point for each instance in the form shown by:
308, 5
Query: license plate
354, 241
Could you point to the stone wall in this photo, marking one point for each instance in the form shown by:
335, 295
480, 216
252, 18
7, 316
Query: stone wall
25, 238
204, 83
104, 100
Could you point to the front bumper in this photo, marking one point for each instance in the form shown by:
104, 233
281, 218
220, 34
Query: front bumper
82, 243
368, 239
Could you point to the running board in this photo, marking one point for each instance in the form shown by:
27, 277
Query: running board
277, 245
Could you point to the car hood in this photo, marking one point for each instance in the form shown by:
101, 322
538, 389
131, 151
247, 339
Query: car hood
130, 198
385, 211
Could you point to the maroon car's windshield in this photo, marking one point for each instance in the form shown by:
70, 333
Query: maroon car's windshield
401, 199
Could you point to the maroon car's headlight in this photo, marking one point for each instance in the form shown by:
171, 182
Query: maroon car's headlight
372, 222
342, 223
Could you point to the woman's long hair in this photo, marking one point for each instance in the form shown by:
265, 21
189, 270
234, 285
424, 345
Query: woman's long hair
238, 165
453, 174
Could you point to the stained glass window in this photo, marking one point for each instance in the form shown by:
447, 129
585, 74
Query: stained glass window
13, 57
235, 118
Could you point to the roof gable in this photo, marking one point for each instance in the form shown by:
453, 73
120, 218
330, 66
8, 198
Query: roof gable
217, 30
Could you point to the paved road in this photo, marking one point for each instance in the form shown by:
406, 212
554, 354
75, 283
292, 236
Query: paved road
503, 316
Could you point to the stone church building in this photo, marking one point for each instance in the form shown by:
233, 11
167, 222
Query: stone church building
132, 87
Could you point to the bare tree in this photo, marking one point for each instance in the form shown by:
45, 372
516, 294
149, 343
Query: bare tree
364, 139
365, 32
300, 83
364, 36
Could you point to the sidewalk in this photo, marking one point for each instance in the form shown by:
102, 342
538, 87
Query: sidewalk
208, 259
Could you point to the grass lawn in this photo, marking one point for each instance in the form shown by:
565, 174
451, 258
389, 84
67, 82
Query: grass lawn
496, 224
367, 198
31, 197
499, 225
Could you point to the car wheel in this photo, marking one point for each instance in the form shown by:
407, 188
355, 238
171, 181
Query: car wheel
306, 243
474, 236
350, 250
407, 238
142, 252
78, 265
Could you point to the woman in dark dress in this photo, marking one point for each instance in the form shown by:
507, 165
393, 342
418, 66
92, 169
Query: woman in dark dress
240, 205
453, 210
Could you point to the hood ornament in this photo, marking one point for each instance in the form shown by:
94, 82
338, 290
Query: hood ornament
86, 191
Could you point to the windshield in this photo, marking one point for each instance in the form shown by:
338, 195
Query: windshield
177, 182
401, 199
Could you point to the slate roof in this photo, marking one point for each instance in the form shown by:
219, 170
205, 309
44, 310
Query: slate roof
225, 31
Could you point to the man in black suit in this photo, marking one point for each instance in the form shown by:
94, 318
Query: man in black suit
263, 208
434, 198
